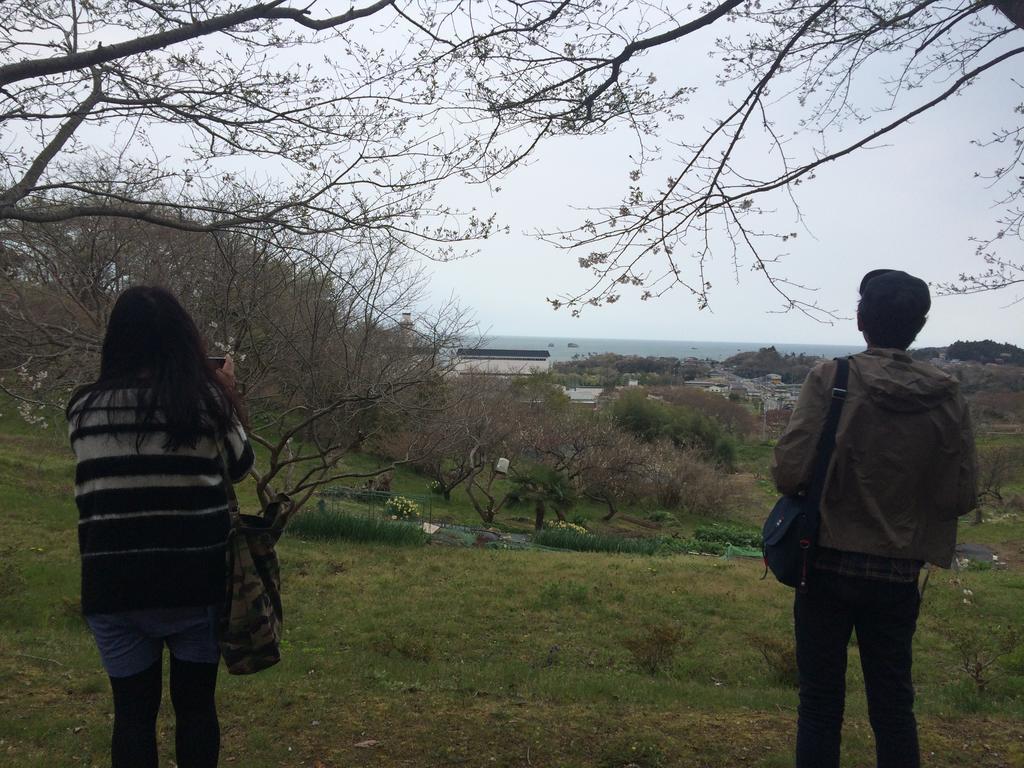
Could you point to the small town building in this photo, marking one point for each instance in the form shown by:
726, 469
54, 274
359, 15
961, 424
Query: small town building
714, 386
586, 396
502, 362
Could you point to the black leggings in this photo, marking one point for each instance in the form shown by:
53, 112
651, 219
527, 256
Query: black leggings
137, 701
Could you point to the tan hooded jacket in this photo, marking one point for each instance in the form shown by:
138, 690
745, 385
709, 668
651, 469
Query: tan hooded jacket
903, 468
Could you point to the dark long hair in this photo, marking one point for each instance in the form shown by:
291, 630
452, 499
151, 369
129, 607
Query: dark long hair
152, 343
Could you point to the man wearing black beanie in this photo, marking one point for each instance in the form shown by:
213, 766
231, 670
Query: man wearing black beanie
901, 473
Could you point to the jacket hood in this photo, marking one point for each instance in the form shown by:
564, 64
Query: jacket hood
896, 382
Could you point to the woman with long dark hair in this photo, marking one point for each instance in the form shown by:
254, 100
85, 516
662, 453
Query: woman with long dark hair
154, 437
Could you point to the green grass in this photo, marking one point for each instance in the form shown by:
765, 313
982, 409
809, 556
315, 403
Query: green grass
753, 455
469, 657
327, 525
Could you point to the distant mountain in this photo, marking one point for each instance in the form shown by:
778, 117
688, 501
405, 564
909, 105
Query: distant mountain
751, 365
927, 353
986, 351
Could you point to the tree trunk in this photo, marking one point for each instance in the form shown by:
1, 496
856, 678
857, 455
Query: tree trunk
539, 523
1012, 9
611, 509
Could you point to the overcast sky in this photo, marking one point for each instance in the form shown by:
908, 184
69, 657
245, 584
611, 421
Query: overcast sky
910, 204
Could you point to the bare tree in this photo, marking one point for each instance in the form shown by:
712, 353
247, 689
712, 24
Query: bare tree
998, 465
313, 121
458, 436
495, 432
235, 115
345, 122
820, 59
619, 472
313, 324
343, 371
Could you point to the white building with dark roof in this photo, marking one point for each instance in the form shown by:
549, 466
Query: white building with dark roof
502, 362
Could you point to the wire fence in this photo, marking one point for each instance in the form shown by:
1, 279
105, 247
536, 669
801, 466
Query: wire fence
360, 501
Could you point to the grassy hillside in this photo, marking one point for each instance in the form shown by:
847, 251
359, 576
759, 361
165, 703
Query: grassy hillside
437, 657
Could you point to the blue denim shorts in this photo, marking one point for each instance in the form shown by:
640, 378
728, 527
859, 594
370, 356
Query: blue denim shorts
132, 641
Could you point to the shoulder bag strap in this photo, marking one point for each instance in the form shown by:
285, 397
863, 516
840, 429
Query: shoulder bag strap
827, 441
229, 487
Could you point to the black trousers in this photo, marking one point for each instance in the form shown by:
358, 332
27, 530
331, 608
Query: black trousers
884, 615
137, 702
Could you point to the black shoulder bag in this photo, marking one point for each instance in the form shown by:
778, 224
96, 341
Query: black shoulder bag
790, 533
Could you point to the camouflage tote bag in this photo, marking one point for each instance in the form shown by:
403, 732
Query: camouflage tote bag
252, 619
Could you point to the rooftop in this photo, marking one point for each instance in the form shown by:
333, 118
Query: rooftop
519, 354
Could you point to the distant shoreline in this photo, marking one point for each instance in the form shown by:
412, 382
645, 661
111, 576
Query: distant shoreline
559, 349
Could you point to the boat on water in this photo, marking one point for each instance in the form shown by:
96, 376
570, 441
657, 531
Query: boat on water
551, 344
572, 344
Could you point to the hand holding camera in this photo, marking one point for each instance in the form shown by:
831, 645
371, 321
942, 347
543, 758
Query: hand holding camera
224, 370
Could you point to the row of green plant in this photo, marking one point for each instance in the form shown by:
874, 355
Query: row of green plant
395, 529
718, 538
708, 538
329, 525
567, 538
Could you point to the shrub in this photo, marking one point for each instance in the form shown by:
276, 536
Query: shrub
661, 516
655, 649
633, 753
555, 594
716, 538
330, 526
401, 508
565, 525
979, 649
780, 656
684, 426
727, 534
686, 481
414, 648
11, 581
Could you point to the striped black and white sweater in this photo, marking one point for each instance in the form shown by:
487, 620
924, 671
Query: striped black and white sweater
152, 523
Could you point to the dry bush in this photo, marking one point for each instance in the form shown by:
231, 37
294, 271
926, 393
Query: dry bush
997, 466
979, 650
407, 646
735, 418
682, 479
11, 581
780, 656
655, 649
1000, 407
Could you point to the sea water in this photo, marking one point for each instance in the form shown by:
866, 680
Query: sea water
560, 349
